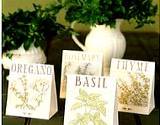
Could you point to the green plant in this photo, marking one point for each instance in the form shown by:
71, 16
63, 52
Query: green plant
107, 11
25, 27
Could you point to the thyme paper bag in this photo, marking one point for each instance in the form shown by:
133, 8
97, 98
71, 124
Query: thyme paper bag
79, 62
31, 91
90, 100
135, 81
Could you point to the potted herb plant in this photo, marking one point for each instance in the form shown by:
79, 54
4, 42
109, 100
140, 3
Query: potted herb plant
26, 33
103, 17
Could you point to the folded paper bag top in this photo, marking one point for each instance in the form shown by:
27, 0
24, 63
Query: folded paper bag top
135, 81
32, 91
90, 100
79, 62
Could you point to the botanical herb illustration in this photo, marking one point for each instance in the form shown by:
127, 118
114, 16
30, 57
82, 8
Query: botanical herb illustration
22, 95
73, 68
93, 109
83, 69
29, 97
66, 68
40, 88
64, 76
137, 92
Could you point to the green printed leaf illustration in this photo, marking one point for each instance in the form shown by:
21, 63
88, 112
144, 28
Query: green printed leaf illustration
76, 106
102, 109
94, 108
94, 96
81, 119
83, 93
97, 119
99, 122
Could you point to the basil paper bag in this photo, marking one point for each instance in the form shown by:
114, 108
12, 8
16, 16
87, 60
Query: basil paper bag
90, 100
31, 91
135, 81
79, 62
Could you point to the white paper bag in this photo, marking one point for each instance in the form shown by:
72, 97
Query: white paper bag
135, 81
79, 62
32, 91
90, 100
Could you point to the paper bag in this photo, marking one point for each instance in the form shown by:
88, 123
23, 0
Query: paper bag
135, 80
90, 100
79, 62
31, 91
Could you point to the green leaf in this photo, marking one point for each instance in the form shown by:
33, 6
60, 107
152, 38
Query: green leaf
36, 26
27, 44
9, 55
141, 11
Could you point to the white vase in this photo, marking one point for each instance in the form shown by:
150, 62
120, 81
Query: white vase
109, 41
33, 55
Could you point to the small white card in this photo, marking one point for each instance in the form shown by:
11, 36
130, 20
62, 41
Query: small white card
90, 100
32, 91
79, 62
135, 81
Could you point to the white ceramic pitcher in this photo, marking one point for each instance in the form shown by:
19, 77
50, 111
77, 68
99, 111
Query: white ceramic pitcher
102, 38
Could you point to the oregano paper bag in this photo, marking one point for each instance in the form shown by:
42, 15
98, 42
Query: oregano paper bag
31, 91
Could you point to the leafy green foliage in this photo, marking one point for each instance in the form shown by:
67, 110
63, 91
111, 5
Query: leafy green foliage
30, 27
94, 107
140, 10
107, 11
